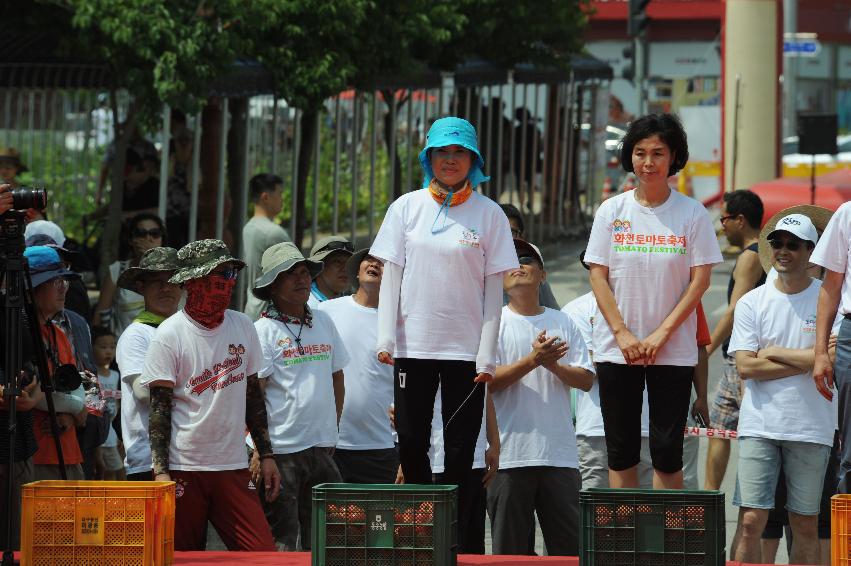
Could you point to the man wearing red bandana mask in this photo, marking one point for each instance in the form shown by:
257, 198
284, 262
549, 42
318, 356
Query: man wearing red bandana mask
201, 369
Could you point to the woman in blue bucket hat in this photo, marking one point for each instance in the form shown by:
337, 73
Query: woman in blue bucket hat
445, 249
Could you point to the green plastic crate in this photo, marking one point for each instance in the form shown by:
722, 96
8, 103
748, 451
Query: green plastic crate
645, 527
384, 525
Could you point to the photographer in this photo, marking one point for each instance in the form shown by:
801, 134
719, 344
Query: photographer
5, 198
49, 278
25, 447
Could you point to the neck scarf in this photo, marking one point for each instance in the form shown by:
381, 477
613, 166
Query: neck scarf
273, 313
149, 318
207, 299
447, 200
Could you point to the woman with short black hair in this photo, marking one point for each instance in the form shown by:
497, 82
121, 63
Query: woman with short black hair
651, 253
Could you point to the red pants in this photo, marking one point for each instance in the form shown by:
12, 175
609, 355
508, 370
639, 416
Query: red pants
228, 499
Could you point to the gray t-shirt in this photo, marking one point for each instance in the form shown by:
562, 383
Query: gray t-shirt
258, 235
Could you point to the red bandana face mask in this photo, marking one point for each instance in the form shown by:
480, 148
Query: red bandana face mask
208, 298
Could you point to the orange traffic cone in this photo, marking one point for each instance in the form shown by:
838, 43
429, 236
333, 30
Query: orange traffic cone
608, 188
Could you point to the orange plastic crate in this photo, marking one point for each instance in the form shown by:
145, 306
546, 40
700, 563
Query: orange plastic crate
97, 523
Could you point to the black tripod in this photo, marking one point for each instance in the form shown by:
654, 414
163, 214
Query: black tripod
14, 272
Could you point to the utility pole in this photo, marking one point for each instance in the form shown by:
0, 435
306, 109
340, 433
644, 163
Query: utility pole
636, 26
790, 71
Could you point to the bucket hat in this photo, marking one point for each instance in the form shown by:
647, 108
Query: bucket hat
45, 264
154, 260
328, 245
353, 266
817, 215
13, 155
453, 131
276, 260
199, 259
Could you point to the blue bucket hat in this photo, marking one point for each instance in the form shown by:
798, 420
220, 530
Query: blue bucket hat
453, 131
45, 264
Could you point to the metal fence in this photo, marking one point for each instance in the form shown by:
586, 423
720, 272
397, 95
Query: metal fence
541, 142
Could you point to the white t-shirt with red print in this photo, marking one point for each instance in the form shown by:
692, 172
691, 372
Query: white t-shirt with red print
649, 253
209, 369
441, 303
299, 386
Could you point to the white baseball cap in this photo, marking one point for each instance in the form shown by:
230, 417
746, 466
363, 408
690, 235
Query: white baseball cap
797, 225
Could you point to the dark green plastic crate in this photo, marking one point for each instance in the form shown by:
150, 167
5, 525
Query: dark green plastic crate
384, 525
645, 527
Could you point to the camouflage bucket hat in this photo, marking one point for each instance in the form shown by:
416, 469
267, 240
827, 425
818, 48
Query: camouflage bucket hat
155, 260
199, 259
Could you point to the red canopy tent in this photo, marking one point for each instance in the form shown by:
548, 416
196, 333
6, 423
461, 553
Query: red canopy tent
832, 189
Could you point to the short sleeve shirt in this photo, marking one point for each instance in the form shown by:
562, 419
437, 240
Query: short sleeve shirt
130, 354
300, 401
209, 370
444, 268
649, 253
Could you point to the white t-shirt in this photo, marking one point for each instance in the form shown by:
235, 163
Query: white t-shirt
443, 283
584, 313
209, 369
300, 390
535, 424
789, 408
649, 253
833, 250
365, 424
108, 390
436, 454
130, 354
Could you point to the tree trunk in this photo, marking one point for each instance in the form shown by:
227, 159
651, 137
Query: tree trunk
114, 219
211, 121
238, 187
389, 124
305, 154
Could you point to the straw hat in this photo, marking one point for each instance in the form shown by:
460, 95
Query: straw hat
819, 216
276, 260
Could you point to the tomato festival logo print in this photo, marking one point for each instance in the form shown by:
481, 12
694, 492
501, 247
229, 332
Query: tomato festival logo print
625, 240
221, 375
621, 226
470, 238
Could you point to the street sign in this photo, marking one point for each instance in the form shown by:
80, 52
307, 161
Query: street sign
801, 47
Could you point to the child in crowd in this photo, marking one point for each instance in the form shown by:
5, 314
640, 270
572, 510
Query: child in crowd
110, 457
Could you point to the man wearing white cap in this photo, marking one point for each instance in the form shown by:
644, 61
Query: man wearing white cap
783, 418
832, 253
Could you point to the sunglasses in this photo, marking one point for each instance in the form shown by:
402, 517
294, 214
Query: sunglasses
153, 233
791, 245
334, 246
527, 260
229, 273
60, 283
724, 219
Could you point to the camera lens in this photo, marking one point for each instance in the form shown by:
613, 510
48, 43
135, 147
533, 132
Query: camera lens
28, 197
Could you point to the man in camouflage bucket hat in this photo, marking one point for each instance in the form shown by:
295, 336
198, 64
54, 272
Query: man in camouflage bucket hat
149, 279
201, 369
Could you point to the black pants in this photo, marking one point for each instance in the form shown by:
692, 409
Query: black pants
462, 403
472, 511
621, 399
367, 466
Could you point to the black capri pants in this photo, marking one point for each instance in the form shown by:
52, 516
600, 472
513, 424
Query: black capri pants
621, 398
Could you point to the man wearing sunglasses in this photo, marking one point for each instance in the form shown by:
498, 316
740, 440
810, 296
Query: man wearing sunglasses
333, 281
541, 356
783, 418
201, 369
741, 218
